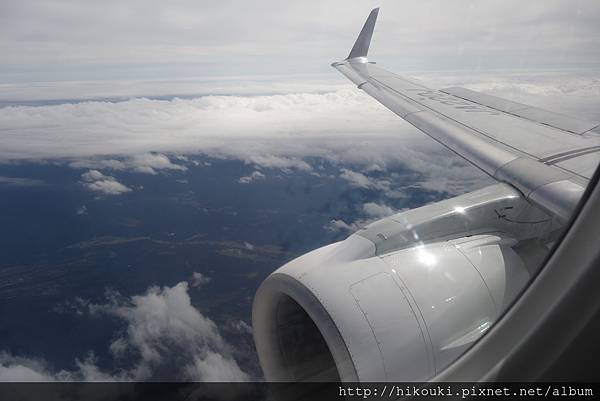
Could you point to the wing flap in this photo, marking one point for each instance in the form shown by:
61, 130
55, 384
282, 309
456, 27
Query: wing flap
519, 136
535, 114
522, 136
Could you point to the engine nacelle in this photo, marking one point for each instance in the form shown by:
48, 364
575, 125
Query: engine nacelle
351, 312
401, 317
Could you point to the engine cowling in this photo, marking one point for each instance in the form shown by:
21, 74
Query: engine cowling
401, 317
380, 306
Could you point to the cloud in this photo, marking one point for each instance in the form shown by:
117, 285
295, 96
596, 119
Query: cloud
95, 181
283, 131
269, 132
199, 279
147, 163
163, 326
278, 162
213, 367
244, 127
240, 326
19, 182
123, 90
340, 225
15, 369
132, 39
255, 176
150, 162
372, 212
377, 210
356, 179
384, 184
163, 333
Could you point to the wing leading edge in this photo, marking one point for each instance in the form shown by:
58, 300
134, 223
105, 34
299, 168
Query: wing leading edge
547, 156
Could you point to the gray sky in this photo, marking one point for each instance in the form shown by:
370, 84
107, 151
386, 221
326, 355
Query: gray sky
115, 39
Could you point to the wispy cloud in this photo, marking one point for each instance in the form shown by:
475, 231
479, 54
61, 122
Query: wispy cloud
199, 279
337, 225
19, 182
82, 210
255, 176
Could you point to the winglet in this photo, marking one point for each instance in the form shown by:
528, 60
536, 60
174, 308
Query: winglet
361, 46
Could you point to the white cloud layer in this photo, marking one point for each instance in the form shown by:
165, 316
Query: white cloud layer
162, 329
185, 87
208, 123
271, 131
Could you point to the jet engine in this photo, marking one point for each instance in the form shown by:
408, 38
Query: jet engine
402, 298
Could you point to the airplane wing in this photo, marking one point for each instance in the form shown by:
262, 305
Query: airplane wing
548, 157
403, 297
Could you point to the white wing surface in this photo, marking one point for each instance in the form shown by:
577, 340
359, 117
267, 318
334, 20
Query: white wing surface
547, 156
